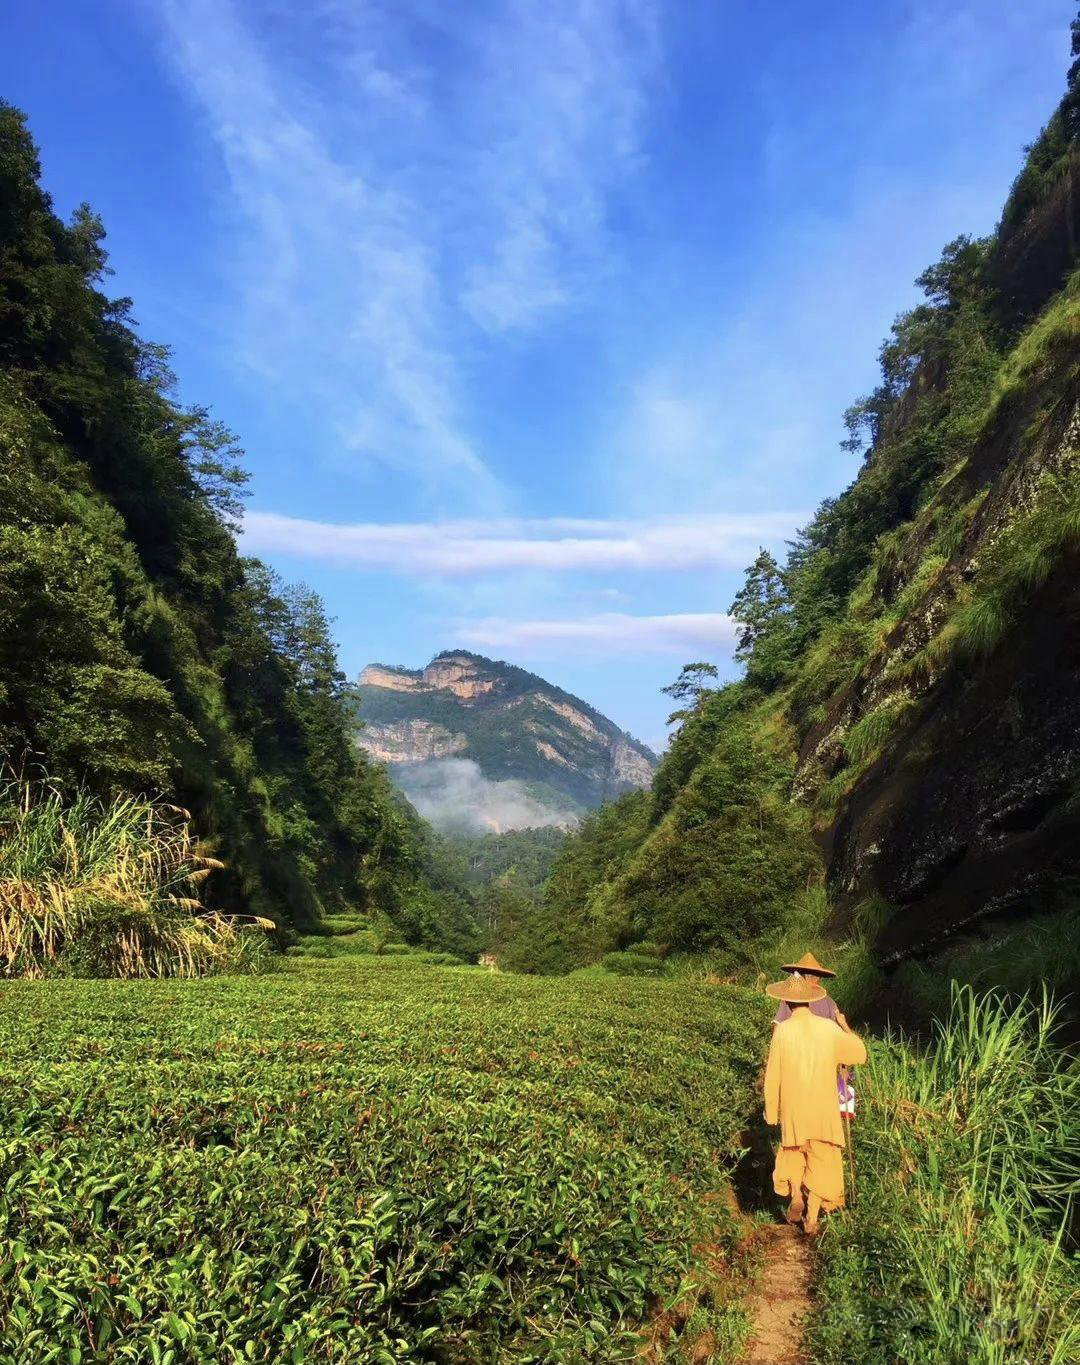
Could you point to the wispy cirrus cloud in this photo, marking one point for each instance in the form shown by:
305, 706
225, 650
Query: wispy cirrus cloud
394, 210
608, 633
470, 548
557, 144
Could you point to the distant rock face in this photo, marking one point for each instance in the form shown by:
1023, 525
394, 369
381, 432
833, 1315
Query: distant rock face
413, 741
457, 674
562, 756
629, 766
396, 679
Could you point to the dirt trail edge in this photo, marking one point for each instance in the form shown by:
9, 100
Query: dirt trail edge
780, 1300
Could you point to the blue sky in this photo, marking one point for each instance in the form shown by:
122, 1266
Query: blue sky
536, 317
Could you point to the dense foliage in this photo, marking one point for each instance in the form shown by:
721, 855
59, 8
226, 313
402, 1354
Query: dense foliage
141, 652
562, 931
362, 1160
504, 874
520, 856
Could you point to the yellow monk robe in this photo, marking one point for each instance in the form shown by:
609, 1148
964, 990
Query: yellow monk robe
800, 1095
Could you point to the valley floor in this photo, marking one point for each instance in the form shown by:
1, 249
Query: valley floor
381, 1159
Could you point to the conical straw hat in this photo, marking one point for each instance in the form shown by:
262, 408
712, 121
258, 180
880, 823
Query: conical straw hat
807, 963
796, 990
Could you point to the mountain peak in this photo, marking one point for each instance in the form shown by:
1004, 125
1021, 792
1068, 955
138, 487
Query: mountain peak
464, 675
501, 736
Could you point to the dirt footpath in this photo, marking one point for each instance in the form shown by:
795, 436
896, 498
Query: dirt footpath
780, 1301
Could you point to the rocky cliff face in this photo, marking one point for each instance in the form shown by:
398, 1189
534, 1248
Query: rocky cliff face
513, 725
911, 696
458, 674
411, 741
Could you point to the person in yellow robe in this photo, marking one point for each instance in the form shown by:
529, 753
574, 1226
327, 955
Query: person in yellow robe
800, 1096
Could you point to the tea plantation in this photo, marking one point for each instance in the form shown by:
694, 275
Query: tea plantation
364, 1159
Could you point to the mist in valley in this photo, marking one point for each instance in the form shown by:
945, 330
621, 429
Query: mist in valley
458, 799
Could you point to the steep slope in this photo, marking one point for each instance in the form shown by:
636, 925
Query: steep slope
138, 651
970, 806
464, 709
910, 701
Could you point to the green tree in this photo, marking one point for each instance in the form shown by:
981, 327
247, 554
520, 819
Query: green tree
688, 687
762, 611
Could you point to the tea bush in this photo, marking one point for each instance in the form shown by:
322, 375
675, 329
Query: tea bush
632, 964
367, 1160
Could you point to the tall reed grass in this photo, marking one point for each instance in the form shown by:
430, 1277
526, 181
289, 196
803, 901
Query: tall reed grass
968, 1162
108, 888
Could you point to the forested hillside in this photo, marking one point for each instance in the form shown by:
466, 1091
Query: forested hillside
898, 765
141, 652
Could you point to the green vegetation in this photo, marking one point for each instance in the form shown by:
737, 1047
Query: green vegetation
639, 959
141, 652
94, 888
868, 737
1022, 557
967, 1154
379, 1153
1011, 959
563, 931
366, 1160
711, 873
523, 857
966, 505
504, 875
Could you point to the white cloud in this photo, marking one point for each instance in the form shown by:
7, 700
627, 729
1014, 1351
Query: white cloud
471, 548
389, 218
609, 633
458, 799
341, 296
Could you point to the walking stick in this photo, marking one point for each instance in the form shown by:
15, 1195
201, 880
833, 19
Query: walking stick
851, 1157
847, 1109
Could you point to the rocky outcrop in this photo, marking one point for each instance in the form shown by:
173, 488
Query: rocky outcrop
411, 741
629, 766
459, 676
972, 809
394, 679
453, 673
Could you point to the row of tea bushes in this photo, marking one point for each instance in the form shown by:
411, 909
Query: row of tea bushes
360, 1160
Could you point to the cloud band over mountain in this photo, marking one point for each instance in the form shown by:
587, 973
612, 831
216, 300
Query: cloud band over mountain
474, 547
605, 634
